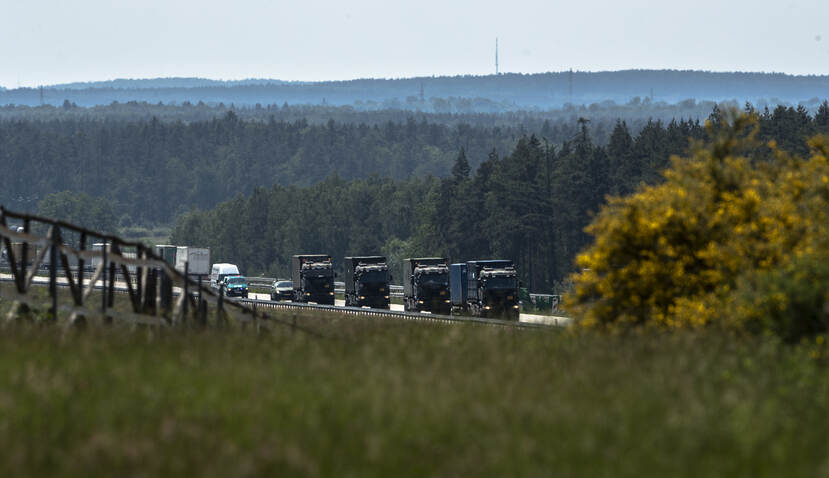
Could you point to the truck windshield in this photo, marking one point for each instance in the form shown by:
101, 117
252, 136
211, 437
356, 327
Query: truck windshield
435, 279
500, 283
370, 277
322, 272
319, 282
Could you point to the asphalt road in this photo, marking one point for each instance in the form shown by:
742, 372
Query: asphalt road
528, 318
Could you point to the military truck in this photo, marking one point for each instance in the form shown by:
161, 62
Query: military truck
367, 281
486, 288
426, 285
313, 278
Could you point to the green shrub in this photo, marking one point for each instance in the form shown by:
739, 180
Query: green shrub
673, 255
792, 301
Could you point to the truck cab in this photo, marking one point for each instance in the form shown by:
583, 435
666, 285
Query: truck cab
492, 289
426, 285
367, 280
313, 278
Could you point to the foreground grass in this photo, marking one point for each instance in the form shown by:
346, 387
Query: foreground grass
378, 398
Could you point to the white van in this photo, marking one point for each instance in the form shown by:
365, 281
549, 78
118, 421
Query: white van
219, 271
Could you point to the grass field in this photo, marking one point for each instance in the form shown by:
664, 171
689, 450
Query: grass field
372, 397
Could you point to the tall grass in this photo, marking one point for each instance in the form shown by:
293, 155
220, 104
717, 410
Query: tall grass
373, 397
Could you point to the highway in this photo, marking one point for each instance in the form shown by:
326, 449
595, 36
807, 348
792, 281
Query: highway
42, 281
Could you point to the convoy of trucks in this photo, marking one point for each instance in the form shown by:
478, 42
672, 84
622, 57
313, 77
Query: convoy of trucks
367, 280
483, 288
426, 285
313, 278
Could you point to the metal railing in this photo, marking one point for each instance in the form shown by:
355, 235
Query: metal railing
146, 278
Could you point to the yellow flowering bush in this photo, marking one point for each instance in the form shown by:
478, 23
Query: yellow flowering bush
675, 254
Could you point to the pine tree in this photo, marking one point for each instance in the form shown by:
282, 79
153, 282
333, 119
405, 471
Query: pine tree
460, 170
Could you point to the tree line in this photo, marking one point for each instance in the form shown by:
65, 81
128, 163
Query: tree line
450, 111
150, 171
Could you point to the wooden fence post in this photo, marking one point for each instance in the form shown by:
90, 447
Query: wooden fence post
104, 279
110, 293
82, 247
53, 270
186, 292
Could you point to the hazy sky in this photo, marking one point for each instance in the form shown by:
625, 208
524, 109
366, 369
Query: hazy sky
51, 41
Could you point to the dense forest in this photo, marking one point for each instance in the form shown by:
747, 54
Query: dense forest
151, 170
493, 93
530, 205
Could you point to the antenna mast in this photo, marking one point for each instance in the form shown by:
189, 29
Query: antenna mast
496, 55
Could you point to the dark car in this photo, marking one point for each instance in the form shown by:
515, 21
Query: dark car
282, 290
236, 286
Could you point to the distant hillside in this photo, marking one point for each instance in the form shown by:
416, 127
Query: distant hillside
506, 92
155, 83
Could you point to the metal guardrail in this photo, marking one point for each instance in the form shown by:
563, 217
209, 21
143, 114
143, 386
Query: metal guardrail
395, 314
540, 301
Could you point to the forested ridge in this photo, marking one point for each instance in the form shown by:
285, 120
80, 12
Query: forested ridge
452, 111
504, 92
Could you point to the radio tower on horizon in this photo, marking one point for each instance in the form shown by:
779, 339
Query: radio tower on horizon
496, 56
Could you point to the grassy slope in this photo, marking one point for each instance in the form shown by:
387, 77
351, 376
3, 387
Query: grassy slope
380, 398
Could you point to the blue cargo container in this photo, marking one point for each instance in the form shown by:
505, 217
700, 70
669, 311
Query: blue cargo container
457, 284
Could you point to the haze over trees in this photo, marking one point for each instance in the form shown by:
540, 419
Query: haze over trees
505, 92
454, 111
